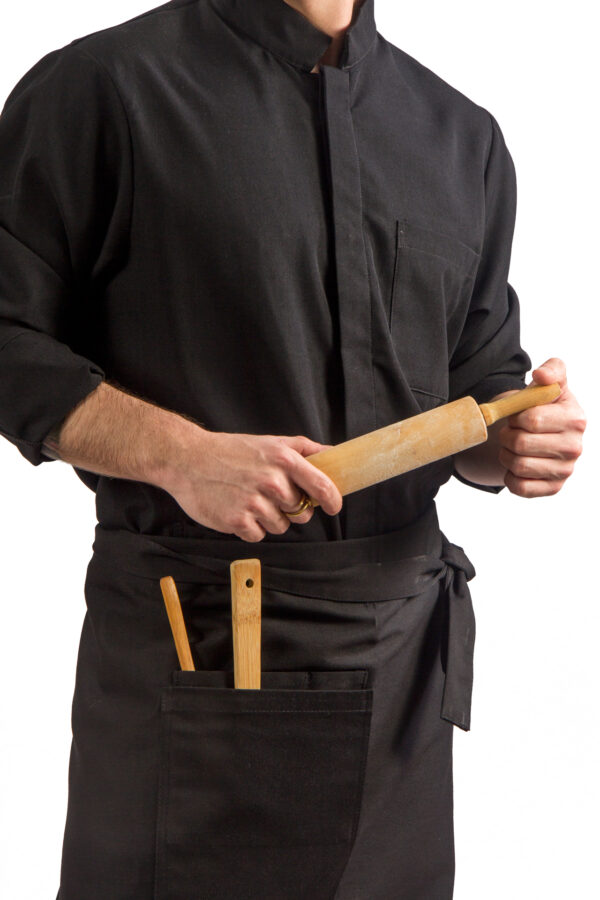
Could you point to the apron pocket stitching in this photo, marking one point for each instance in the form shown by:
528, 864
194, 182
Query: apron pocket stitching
315, 763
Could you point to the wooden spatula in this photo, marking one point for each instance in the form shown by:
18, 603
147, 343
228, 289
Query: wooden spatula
246, 622
176, 621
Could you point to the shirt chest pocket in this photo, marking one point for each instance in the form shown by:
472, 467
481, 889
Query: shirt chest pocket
431, 288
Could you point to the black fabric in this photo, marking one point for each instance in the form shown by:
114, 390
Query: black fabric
333, 781
230, 756
347, 571
188, 211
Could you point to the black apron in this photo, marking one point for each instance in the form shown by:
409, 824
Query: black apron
332, 782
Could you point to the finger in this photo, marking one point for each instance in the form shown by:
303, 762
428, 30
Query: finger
305, 515
303, 445
552, 445
250, 530
554, 369
548, 417
283, 494
535, 466
531, 487
315, 483
267, 514
276, 522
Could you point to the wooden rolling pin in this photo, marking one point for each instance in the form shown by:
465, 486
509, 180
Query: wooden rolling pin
421, 439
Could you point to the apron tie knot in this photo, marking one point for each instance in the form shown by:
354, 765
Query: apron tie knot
459, 645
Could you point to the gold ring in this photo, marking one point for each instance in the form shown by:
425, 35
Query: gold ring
305, 502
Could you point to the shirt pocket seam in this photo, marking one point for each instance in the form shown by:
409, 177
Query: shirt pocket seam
440, 241
426, 241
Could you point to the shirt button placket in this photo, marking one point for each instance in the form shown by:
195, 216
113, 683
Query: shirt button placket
353, 287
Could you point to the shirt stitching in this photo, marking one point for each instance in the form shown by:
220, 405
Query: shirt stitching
128, 123
238, 29
356, 61
35, 253
12, 338
143, 15
452, 262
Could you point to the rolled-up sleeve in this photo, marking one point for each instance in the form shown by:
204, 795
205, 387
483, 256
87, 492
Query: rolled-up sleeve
65, 208
488, 358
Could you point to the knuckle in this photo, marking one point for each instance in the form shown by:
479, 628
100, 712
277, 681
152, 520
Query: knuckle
255, 505
512, 484
520, 443
273, 486
283, 456
504, 457
534, 419
517, 486
235, 523
506, 436
520, 467
238, 522
579, 423
577, 449
325, 487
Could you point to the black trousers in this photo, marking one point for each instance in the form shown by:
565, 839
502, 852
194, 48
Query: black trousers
333, 782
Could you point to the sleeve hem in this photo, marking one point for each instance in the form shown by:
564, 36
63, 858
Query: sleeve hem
489, 488
33, 450
495, 384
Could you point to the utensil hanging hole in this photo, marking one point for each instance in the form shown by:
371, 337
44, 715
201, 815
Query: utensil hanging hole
249, 582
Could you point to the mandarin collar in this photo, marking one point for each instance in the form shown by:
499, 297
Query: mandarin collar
287, 33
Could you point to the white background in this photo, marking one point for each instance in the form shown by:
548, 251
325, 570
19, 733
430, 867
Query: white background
526, 776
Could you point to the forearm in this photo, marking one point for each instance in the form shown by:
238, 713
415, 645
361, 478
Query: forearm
117, 434
480, 464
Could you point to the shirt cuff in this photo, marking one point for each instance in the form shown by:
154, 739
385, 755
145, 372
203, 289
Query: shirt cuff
492, 385
490, 488
41, 381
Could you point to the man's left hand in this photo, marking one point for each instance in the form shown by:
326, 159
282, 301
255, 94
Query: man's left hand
539, 446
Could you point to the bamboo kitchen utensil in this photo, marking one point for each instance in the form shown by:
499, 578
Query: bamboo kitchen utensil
246, 621
353, 465
176, 621
421, 439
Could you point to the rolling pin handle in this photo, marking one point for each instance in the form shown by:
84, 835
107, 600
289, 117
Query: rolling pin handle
532, 395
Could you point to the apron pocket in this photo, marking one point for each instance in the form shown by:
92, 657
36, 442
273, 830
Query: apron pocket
260, 790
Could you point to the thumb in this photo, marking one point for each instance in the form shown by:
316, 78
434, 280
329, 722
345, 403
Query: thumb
553, 370
304, 445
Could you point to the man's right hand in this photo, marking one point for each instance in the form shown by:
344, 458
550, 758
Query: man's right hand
235, 483
241, 483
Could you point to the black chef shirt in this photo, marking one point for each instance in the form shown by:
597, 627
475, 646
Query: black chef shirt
189, 212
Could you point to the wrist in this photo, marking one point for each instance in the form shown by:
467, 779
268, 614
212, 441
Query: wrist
181, 442
480, 468
480, 464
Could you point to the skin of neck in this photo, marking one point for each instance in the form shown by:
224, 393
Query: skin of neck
331, 16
